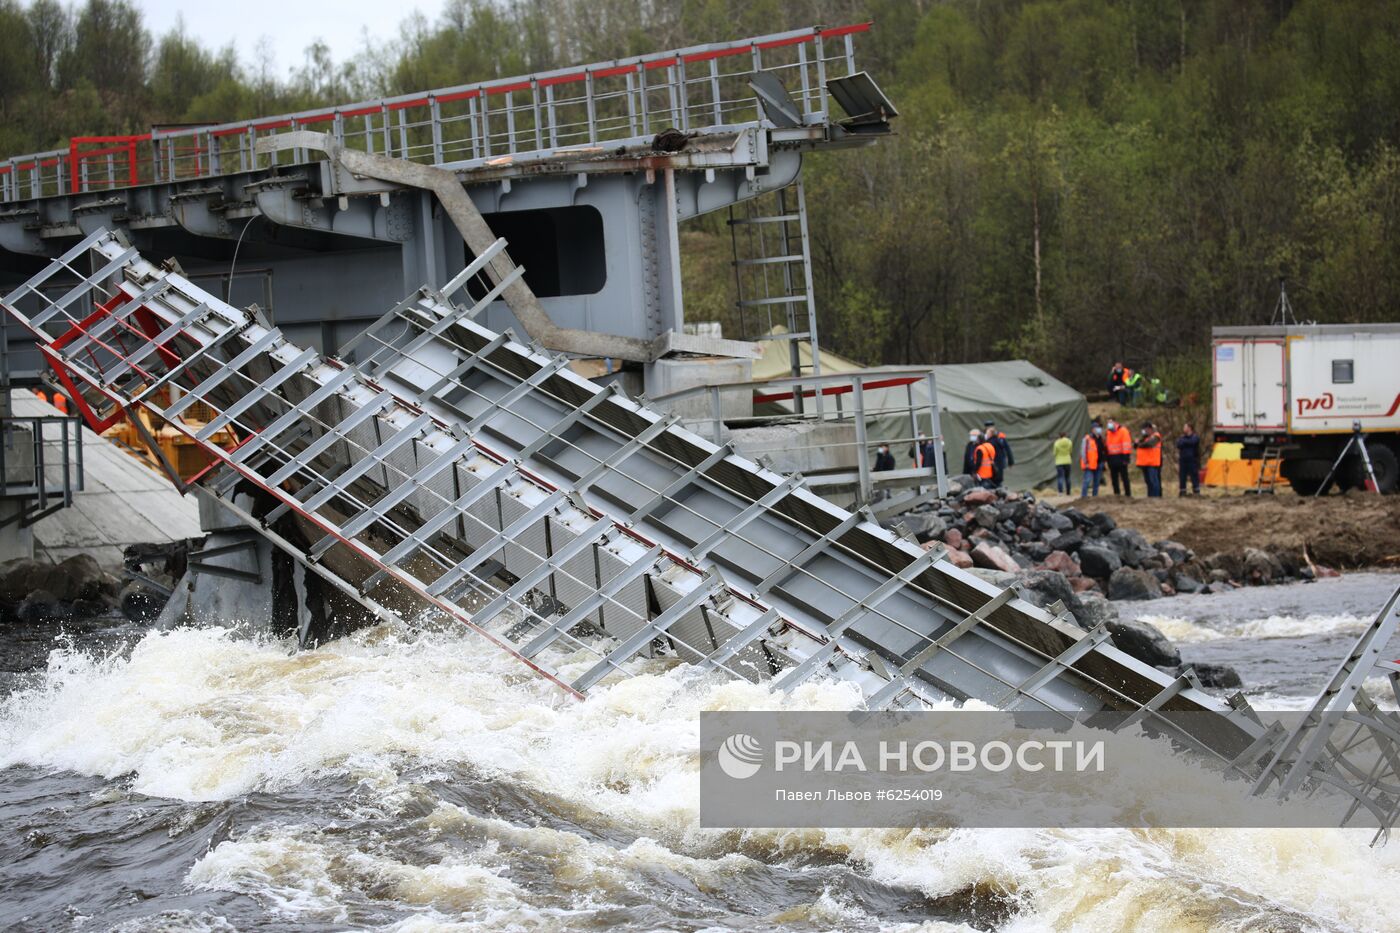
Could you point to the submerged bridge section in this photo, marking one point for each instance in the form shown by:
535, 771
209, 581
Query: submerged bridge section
588, 170
455, 470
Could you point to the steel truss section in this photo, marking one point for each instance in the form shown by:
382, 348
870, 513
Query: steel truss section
464, 472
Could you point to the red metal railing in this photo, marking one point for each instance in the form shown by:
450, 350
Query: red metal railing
689, 89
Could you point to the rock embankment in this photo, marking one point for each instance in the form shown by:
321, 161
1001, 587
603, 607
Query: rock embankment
1088, 562
38, 591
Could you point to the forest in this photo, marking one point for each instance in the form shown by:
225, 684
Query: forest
1073, 181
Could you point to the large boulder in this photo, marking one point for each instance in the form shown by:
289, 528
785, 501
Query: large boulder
953, 538
1217, 676
1103, 522
140, 604
1014, 510
1144, 642
924, 526
1261, 567
1127, 583
997, 578
1079, 518
1057, 521
1178, 552
1098, 561
959, 559
40, 606
986, 516
1094, 610
78, 577
1131, 546
1185, 583
1229, 564
1060, 562
975, 497
1067, 541
1043, 587
18, 577
992, 557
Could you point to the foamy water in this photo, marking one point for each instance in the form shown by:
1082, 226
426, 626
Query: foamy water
1188, 631
418, 781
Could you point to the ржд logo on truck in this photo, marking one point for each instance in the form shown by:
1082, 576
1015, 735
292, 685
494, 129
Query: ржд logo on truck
1322, 403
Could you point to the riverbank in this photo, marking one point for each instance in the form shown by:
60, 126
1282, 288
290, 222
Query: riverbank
1353, 531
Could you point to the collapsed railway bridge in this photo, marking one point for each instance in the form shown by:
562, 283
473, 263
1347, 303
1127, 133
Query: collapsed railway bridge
445, 456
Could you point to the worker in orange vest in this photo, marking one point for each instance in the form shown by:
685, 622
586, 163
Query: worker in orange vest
1119, 441
1089, 461
1149, 459
40, 394
60, 401
984, 463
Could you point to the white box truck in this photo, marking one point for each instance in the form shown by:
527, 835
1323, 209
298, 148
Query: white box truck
1303, 390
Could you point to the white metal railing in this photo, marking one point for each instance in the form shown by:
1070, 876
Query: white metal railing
840, 397
699, 87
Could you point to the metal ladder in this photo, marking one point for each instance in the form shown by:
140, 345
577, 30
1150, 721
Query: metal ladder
773, 270
1268, 476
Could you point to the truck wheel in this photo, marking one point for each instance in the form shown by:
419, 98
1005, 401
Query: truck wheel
1305, 476
1385, 465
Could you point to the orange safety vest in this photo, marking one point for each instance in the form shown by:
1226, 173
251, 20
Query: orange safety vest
41, 395
1120, 441
60, 401
1089, 454
987, 468
1150, 456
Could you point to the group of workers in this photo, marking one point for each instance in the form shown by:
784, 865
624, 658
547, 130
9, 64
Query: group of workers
987, 455
1129, 387
1114, 447
59, 400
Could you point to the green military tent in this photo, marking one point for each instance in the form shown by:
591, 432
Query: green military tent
1031, 406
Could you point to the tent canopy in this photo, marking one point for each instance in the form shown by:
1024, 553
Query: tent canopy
1028, 404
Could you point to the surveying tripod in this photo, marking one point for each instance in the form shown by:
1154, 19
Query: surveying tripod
1359, 440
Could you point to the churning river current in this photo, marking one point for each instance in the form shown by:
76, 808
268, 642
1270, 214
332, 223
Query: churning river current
415, 780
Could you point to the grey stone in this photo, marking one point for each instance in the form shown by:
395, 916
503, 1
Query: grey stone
1144, 642
1178, 552
140, 604
1037, 550
999, 578
1098, 561
991, 557
41, 606
986, 516
1131, 546
1058, 521
1076, 516
1043, 587
1216, 676
1261, 567
1067, 541
1127, 583
1095, 609
1185, 583
1103, 522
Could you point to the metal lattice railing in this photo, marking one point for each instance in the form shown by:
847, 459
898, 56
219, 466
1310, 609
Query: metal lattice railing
697, 88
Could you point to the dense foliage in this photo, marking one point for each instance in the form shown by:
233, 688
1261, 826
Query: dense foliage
1074, 180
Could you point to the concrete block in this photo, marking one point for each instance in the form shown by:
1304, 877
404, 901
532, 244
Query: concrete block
678, 373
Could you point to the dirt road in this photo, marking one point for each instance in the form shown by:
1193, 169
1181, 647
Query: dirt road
1351, 531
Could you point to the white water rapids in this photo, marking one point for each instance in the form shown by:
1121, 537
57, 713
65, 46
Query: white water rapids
608, 834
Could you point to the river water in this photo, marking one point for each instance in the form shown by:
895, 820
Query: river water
414, 780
